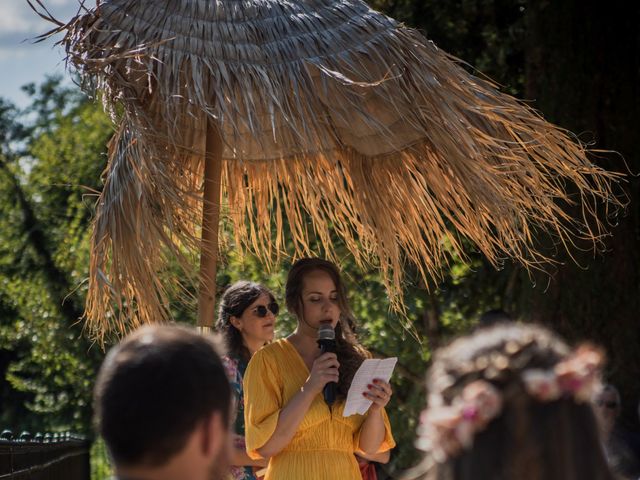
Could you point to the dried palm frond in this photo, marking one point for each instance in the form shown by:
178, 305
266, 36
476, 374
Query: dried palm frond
328, 110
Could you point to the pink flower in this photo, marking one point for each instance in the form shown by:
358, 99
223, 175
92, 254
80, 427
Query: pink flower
484, 399
579, 374
445, 430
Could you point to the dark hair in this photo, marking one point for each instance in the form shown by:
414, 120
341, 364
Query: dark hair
350, 353
529, 439
235, 300
154, 388
491, 317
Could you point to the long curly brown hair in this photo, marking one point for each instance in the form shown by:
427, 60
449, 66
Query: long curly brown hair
349, 351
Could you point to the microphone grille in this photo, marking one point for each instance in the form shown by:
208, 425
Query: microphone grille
326, 332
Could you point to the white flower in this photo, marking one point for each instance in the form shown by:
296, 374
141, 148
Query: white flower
541, 384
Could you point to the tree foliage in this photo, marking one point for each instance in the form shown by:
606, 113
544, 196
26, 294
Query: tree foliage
51, 157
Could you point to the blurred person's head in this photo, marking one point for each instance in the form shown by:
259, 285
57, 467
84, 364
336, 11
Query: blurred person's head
607, 406
163, 403
512, 402
247, 317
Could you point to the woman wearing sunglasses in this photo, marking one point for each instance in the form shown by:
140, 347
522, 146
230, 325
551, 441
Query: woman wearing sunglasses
287, 419
246, 319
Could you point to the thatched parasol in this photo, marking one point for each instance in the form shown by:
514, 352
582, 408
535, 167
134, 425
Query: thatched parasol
321, 113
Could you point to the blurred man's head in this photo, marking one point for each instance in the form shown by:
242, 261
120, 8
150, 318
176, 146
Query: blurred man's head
163, 404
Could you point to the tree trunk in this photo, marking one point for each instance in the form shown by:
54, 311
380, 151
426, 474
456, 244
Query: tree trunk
210, 227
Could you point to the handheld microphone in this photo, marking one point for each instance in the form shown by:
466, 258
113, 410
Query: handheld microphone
327, 343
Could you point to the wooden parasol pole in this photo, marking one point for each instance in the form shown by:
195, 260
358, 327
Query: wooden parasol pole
210, 227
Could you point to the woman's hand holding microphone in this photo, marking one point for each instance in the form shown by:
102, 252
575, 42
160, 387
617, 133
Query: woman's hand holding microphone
324, 370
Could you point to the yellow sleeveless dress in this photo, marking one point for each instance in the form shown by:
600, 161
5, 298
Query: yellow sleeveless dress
323, 447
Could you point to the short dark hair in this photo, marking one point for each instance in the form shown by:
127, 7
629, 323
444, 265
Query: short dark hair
154, 388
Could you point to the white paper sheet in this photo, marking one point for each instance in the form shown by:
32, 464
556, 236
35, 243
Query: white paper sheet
370, 369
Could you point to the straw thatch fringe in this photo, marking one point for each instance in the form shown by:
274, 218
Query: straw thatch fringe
330, 111
147, 205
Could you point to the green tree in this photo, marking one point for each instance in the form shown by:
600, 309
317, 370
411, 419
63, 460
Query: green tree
51, 157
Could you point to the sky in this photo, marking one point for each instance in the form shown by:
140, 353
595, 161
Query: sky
22, 61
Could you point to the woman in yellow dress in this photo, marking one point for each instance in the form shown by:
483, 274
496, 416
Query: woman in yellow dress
286, 417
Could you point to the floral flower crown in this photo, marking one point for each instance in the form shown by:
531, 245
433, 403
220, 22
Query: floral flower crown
447, 429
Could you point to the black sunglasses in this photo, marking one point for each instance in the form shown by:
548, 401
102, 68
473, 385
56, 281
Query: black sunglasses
261, 311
